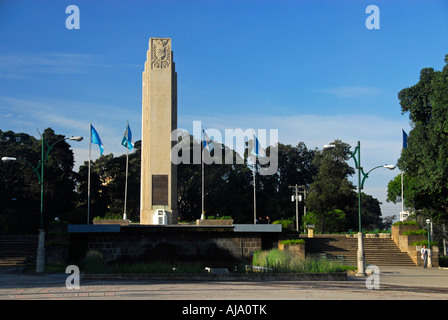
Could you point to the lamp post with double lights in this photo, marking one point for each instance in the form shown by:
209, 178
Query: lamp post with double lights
356, 155
40, 257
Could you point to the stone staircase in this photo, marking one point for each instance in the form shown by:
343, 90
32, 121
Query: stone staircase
377, 251
15, 250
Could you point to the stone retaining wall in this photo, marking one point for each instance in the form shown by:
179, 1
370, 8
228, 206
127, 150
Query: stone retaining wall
415, 253
398, 230
296, 249
214, 246
404, 242
214, 222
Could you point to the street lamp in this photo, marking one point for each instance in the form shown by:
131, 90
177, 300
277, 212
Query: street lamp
298, 198
77, 138
428, 223
7, 159
40, 258
356, 155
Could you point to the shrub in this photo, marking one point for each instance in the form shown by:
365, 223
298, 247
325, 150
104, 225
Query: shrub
423, 243
283, 261
443, 261
416, 233
109, 216
59, 222
218, 218
93, 262
286, 223
405, 223
293, 241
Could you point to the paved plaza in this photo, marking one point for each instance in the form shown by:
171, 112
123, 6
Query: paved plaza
395, 283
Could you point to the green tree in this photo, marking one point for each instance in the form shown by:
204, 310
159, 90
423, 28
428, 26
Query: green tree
425, 160
413, 195
294, 167
99, 196
370, 213
227, 187
336, 221
20, 190
59, 177
331, 188
189, 187
107, 185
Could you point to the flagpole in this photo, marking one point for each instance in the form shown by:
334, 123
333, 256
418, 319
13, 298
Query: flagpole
127, 164
402, 195
404, 145
88, 176
202, 174
402, 183
255, 193
255, 147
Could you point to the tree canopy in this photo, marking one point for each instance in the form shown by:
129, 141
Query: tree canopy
228, 187
20, 188
425, 160
330, 189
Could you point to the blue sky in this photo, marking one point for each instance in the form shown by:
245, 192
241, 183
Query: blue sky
310, 69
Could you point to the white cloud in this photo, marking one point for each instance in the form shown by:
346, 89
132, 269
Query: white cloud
71, 118
25, 66
20, 66
378, 134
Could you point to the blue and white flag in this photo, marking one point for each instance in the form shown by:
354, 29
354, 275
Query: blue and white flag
405, 139
258, 150
95, 138
127, 138
207, 143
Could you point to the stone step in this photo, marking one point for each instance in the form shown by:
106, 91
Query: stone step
377, 251
16, 249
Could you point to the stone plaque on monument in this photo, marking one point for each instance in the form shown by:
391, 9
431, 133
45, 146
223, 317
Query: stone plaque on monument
160, 190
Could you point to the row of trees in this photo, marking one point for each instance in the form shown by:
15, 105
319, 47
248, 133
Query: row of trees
331, 200
331, 197
425, 160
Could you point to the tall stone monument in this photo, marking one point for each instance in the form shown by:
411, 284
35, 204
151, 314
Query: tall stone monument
159, 119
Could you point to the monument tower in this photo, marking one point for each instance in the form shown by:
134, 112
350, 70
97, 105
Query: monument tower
159, 119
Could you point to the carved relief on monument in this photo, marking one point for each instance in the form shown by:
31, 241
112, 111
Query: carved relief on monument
160, 53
